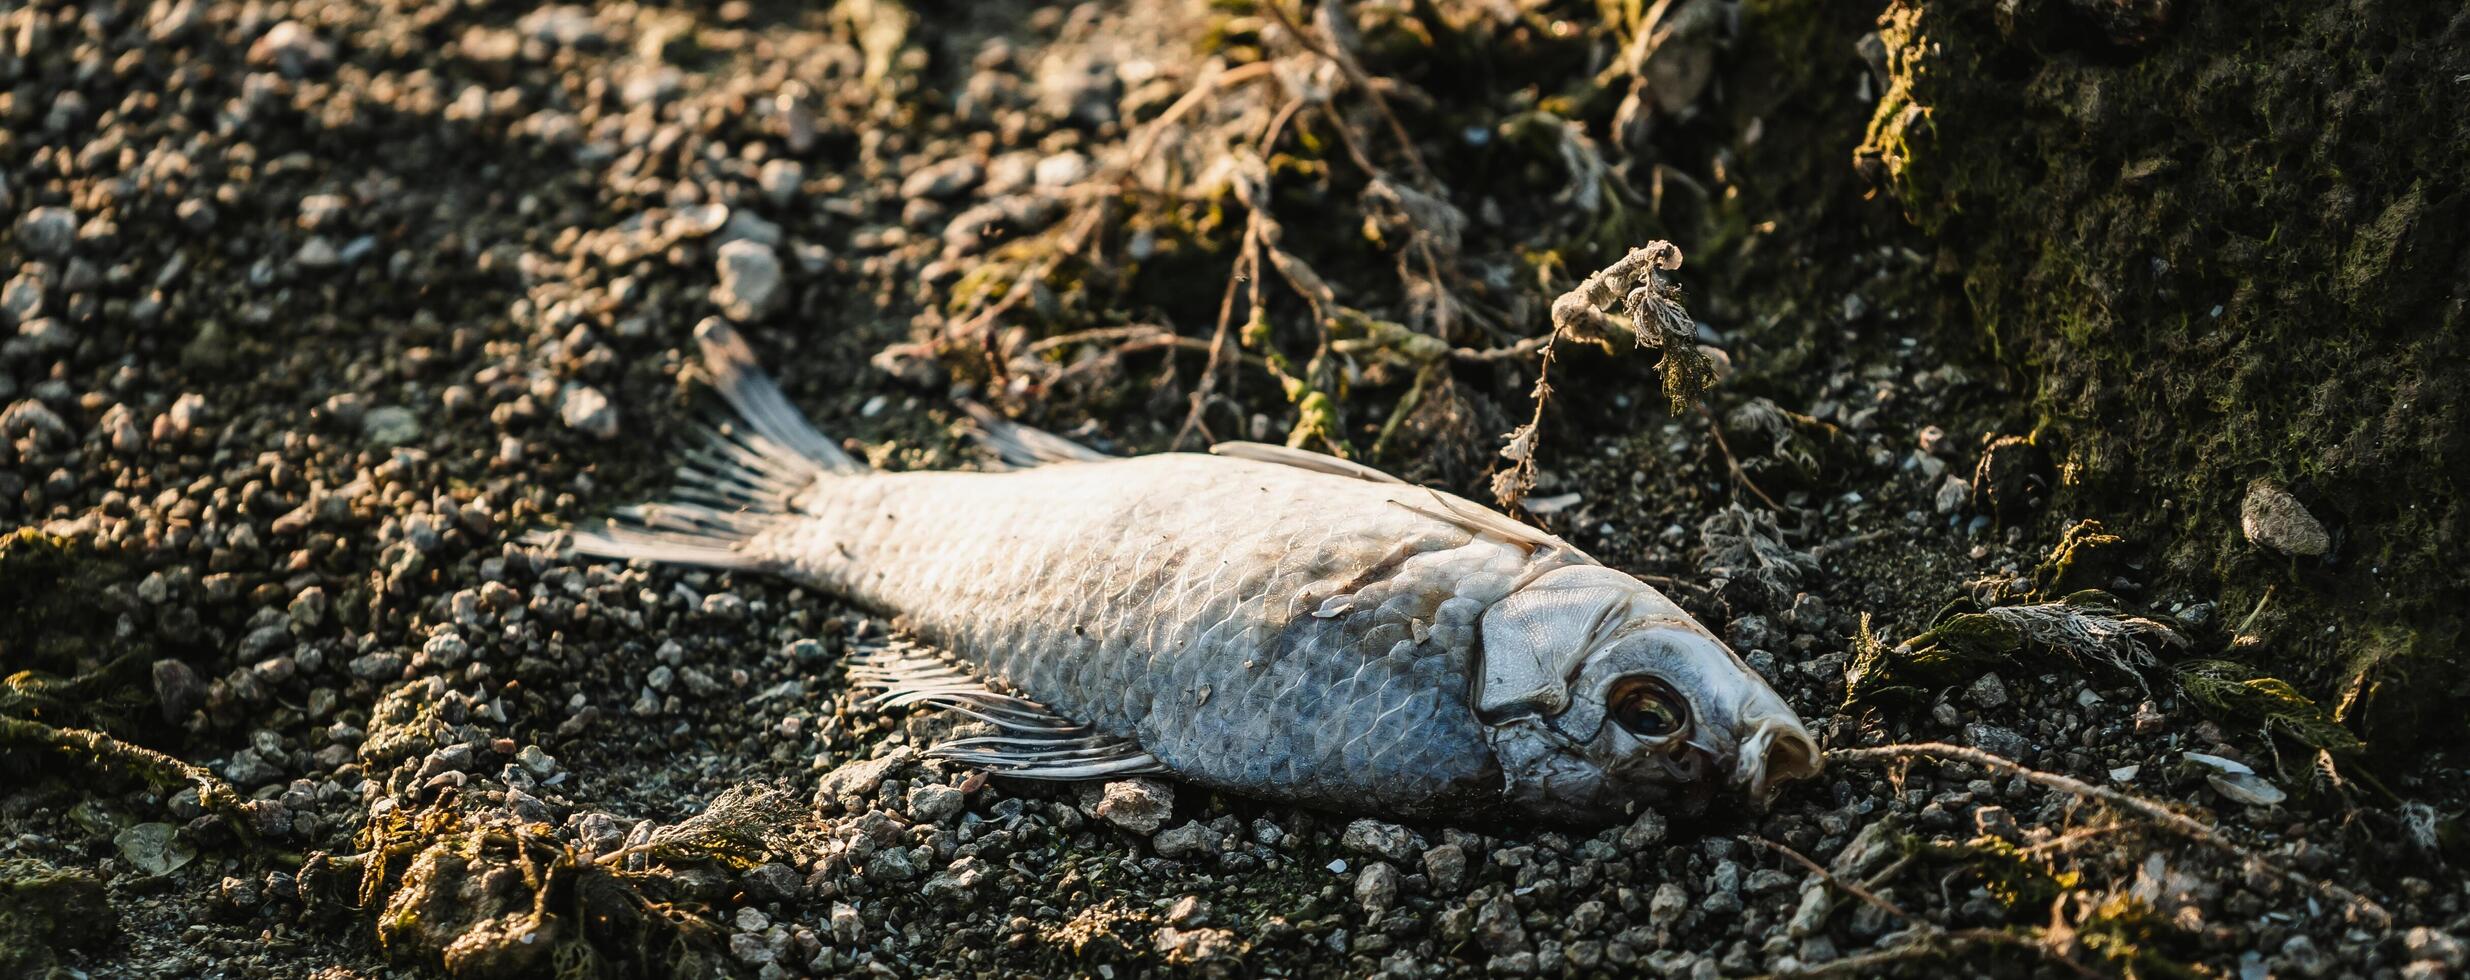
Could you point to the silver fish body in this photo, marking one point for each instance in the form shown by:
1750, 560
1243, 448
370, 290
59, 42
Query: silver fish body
1267, 622
1181, 601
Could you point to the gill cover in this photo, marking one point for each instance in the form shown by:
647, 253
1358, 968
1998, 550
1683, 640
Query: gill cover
1537, 638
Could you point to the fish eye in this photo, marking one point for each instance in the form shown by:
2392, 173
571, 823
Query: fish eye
1647, 707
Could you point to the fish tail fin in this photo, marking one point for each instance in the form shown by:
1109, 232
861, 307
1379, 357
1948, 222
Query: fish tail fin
742, 476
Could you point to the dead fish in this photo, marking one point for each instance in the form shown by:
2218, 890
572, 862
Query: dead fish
1261, 620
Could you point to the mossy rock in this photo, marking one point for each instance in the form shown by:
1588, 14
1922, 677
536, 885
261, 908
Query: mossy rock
45, 910
2225, 248
53, 622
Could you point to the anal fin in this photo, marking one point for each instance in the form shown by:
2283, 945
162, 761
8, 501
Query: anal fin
1036, 742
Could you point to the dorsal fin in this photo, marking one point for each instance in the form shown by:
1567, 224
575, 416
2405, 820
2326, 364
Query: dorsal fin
1021, 446
1262, 452
1479, 519
1475, 518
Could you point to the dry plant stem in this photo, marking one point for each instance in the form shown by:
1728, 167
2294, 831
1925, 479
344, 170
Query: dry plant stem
1854, 541
1932, 946
1129, 339
1733, 463
2172, 820
1085, 224
1406, 406
1184, 105
1854, 890
1356, 77
1932, 939
1246, 270
1525, 347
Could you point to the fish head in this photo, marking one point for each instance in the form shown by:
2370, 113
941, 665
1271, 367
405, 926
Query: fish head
1599, 695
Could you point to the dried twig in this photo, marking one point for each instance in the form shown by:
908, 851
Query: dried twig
1357, 77
1933, 945
1733, 463
1929, 939
2161, 815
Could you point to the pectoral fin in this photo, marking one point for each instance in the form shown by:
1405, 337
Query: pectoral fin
1037, 743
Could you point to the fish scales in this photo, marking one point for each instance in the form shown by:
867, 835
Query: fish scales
1260, 619
1252, 625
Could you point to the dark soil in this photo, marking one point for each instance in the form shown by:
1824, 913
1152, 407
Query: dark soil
315, 310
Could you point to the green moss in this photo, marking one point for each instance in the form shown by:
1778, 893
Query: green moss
497, 899
45, 910
54, 622
2219, 249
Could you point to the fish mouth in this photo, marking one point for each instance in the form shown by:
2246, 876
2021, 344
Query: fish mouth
1776, 753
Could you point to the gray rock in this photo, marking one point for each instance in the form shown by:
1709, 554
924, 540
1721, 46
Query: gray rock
2273, 518
1376, 887
1140, 806
268, 818
749, 948
391, 425
1368, 836
1062, 169
47, 232
891, 864
177, 689
2304, 956
31, 417
377, 666
1665, 906
1188, 910
1997, 740
567, 24
1987, 691
1810, 916
961, 879
317, 253
752, 284
308, 610
584, 409
1181, 842
941, 180
847, 928
1644, 832
1953, 495
780, 179
1498, 929
858, 780
446, 649
291, 48
934, 803
186, 413
1446, 867
265, 640
21, 300
535, 760
248, 771
1995, 821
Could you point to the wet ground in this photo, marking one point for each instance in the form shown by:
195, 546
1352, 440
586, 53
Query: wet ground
316, 309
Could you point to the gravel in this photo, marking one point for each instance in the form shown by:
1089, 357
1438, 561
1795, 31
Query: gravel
311, 316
